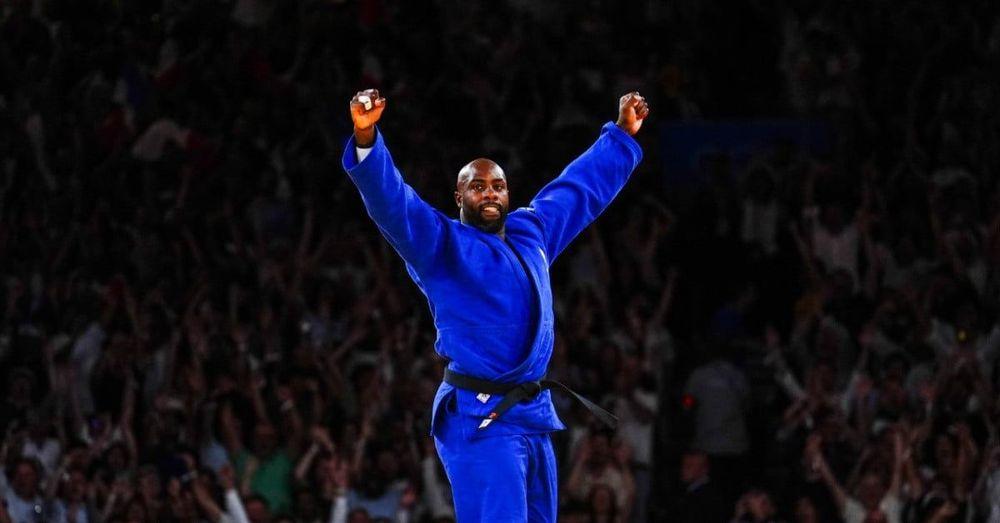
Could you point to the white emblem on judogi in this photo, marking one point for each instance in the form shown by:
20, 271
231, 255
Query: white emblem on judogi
483, 397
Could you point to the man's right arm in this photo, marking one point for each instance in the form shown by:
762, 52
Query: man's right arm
410, 225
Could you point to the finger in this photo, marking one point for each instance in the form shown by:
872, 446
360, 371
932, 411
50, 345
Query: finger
380, 102
373, 93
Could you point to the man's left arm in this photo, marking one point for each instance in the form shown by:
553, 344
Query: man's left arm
568, 204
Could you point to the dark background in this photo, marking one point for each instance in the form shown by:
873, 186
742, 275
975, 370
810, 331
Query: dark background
188, 271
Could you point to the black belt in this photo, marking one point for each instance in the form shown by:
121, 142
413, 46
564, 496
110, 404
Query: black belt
514, 393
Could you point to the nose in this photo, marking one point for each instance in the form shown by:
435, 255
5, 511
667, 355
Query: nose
491, 194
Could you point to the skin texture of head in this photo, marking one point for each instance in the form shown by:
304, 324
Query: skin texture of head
481, 196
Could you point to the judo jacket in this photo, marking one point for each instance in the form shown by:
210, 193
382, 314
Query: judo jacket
492, 306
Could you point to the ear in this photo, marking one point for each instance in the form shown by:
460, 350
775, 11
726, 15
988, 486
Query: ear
458, 199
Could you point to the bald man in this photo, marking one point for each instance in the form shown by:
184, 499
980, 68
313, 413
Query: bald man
486, 279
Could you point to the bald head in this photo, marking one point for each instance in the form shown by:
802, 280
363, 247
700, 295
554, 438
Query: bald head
481, 195
481, 166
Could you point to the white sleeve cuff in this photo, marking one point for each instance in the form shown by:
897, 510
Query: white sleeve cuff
362, 152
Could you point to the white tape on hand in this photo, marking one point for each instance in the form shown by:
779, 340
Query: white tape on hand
367, 101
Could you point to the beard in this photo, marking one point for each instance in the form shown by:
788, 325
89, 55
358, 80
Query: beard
477, 219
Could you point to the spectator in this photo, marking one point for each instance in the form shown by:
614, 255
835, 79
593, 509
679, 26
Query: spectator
702, 501
598, 462
718, 393
873, 499
22, 495
755, 506
187, 290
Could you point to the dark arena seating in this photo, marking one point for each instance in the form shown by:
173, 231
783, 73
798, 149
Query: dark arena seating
793, 307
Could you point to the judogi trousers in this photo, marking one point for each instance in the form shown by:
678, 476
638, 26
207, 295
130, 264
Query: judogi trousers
497, 478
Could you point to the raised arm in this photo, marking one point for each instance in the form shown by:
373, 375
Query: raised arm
412, 226
585, 188
814, 455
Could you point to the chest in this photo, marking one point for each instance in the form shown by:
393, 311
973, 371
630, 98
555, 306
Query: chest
508, 277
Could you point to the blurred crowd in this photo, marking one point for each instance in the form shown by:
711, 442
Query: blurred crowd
199, 322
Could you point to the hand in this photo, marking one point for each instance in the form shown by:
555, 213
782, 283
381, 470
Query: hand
322, 437
813, 446
945, 511
365, 116
227, 478
632, 110
174, 489
899, 442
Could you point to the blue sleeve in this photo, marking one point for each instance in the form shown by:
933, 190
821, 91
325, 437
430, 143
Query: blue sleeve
568, 204
411, 226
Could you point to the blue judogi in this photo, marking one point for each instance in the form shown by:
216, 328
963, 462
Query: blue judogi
506, 472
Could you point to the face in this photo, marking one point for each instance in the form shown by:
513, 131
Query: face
76, 488
257, 511
944, 451
481, 196
805, 511
600, 450
149, 484
25, 481
265, 440
870, 491
693, 467
760, 506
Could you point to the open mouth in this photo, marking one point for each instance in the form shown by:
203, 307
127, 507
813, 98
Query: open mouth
490, 211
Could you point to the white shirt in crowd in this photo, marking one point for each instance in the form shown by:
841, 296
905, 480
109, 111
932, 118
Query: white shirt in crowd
720, 392
890, 505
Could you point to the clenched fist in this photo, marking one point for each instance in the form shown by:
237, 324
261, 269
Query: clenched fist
366, 109
632, 110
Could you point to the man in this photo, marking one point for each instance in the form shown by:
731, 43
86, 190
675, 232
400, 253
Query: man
486, 280
755, 506
718, 395
23, 499
874, 500
701, 502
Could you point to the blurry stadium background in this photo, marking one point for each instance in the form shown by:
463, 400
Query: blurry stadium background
793, 306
